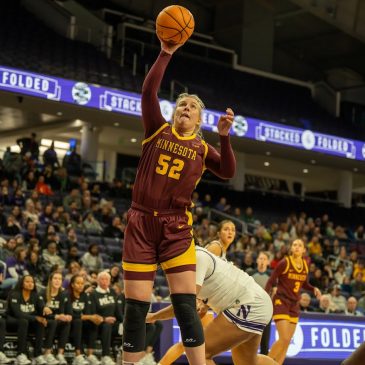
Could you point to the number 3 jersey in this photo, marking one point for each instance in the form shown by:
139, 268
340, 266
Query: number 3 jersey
289, 279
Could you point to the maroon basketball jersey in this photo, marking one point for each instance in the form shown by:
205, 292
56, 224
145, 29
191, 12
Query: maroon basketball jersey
290, 279
169, 169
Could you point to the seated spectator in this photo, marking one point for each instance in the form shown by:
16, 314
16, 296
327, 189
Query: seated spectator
25, 315
222, 205
35, 268
317, 280
8, 250
340, 274
118, 190
17, 213
5, 196
46, 217
92, 260
359, 267
61, 180
51, 258
338, 299
248, 216
91, 224
56, 309
360, 233
71, 239
30, 181
326, 305
346, 286
96, 193
31, 232
15, 267
358, 284
305, 301
11, 227
73, 268
74, 196
81, 312
115, 274
73, 255
116, 229
104, 301
30, 213
351, 307
18, 198
42, 187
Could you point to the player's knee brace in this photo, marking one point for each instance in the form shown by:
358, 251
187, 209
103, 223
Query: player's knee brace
134, 335
188, 319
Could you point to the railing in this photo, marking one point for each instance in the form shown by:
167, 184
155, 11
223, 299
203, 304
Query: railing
240, 224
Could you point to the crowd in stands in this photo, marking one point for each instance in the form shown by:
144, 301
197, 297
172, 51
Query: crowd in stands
77, 231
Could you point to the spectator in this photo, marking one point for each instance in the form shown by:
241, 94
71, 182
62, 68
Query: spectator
248, 216
340, 274
222, 205
338, 299
261, 276
15, 267
8, 250
305, 301
30, 213
50, 156
30, 181
351, 307
72, 163
27, 144
42, 188
326, 305
116, 229
57, 310
104, 301
79, 307
25, 314
115, 274
50, 257
74, 196
358, 284
91, 225
73, 255
92, 259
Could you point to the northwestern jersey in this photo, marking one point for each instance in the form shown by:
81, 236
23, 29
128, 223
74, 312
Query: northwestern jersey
58, 304
289, 279
223, 285
80, 306
106, 303
171, 165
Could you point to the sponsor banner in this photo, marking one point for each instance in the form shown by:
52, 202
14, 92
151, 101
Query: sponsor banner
103, 98
322, 337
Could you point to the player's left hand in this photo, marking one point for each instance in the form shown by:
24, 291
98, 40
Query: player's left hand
317, 293
225, 122
149, 318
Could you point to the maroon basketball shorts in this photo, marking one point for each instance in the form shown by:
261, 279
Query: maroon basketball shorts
285, 308
157, 237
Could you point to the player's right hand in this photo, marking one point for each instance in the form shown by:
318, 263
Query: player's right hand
169, 47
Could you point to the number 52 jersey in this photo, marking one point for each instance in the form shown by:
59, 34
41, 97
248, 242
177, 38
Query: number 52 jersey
171, 166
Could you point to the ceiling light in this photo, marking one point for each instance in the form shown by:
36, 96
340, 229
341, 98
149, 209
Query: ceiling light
268, 153
116, 124
356, 169
59, 113
313, 162
305, 171
266, 163
133, 140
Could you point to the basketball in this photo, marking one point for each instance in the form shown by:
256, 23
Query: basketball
175, 24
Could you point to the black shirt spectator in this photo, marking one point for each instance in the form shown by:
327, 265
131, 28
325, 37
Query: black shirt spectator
27, 144
116, 229
50, 156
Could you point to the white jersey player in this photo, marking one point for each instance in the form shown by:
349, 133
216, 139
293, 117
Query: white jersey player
243, 310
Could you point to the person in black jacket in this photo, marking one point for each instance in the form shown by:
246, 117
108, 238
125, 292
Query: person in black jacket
80, 304
105, 303
58, 311
25, 314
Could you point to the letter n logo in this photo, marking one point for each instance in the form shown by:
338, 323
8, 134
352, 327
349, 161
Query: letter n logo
244, 311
